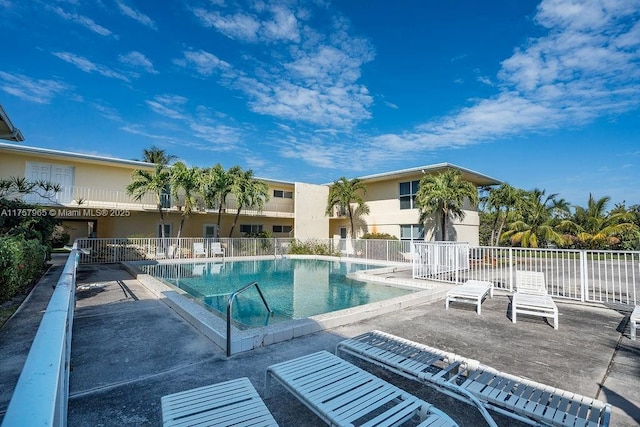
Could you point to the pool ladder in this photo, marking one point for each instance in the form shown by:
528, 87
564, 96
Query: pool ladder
232, 297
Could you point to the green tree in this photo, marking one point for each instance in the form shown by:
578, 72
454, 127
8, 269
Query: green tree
249, 193
597, 229
216, 184
185, 183
534, 217
157, 155
344, 194
444, 195
501, 202
155, 182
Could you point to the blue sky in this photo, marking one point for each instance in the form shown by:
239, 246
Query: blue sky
539, 94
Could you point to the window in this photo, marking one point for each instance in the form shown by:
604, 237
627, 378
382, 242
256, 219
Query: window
167, 230
283, 194
411, 232
408, 191
282, 228
250, 228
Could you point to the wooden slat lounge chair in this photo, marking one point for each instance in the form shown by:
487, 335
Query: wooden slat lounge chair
531, 297
230, 403
634, 319
342, 394
472, 291
470, 381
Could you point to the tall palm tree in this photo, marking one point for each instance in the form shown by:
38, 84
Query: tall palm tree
157, 155
595, 227
155, 182
185, 183
249, 192
344, 194
502, 201
444, 195
536, 212
216, 184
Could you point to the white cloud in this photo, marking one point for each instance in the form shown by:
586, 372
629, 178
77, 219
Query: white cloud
40, 91
136, 15
90, 67
238, 26
204, 62
82, 20
137, 59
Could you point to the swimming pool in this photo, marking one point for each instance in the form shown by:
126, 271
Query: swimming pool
293, 288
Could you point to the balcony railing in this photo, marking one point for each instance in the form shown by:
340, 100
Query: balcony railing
88, 197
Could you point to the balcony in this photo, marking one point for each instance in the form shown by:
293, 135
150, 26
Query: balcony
97, 198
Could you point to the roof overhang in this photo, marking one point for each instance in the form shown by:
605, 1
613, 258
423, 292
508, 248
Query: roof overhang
7, 130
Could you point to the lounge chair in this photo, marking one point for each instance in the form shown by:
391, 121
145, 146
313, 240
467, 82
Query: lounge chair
472, 291
198, 250
217, 249
341, 393
531, 297
634, 319
474, 383
234, 402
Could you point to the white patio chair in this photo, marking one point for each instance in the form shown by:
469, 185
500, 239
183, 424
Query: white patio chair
634, 319
340, 393
198, 250
472, 291
217, 249
234, 402
531, 297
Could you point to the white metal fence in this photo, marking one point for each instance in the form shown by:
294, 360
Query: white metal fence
595, 276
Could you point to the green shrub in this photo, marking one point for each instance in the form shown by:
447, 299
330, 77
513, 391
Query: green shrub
379, 236
310, 247
21, 262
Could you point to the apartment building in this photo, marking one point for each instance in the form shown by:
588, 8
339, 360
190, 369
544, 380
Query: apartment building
93, 202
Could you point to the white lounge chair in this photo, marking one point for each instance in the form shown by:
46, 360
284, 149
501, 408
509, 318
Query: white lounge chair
198, 250
476, 384
472, 291
234, 402
341, 393
634, 319
217, 249
531, 297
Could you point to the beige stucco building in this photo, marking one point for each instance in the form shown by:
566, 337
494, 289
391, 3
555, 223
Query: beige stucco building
93, 202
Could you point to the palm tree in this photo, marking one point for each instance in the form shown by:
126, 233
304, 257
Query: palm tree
248, 191
155, 182
502, 200
536, 212
185, 183
444, 194
344, 193
597, 229
215, 185
157, 155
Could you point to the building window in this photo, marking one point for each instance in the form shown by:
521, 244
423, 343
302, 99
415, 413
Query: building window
283, 194
167, 230
250, 228
408, 191
412, 232
282, 228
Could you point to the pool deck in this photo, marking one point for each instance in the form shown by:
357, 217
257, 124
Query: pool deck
129, 349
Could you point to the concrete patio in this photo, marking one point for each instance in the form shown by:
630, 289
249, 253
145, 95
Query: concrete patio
130, 349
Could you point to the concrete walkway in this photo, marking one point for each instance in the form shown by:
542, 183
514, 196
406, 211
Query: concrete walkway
129, 349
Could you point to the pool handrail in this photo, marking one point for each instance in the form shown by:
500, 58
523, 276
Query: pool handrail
232, 297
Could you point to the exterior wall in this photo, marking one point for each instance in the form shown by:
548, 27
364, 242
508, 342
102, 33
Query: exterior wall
310, 207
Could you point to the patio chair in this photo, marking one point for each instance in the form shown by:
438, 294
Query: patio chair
531, 297
634, 319
234, 402
472, 291
476, 384
198, 250
342, 394
217, 249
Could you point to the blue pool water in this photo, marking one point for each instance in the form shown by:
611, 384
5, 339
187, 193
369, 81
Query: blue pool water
293, 288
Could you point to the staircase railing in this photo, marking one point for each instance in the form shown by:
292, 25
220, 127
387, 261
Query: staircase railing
232, 297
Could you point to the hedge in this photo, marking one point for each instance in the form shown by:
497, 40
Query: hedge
21, 262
